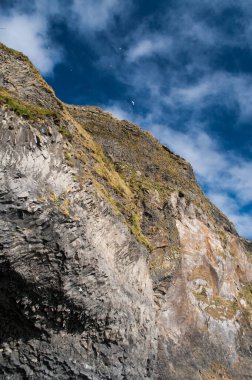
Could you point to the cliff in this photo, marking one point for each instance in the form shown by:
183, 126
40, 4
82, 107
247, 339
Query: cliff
114, 264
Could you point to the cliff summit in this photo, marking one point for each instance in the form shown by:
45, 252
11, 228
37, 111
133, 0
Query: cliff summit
114, 264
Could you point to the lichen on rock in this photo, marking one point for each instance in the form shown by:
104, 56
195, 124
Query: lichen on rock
114, 264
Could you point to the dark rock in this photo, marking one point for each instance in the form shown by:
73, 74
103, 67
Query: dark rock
113, 263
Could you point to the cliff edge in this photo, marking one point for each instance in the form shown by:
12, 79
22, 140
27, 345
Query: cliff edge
114, 264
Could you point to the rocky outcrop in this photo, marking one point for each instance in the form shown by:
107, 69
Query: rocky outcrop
114, 265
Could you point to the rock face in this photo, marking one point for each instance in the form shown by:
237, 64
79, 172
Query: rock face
114, 265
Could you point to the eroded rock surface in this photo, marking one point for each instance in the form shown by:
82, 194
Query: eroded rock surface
114, 265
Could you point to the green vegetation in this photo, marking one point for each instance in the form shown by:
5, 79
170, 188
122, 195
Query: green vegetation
15, 53
126, 180
67, 155
89, 157
216, 371
58, 201
22, 108
158, 263
65, 132
127, 187
135, 227
246, 295
61, 203
221, 308
202, 296
218, 307
223, 238
21, 57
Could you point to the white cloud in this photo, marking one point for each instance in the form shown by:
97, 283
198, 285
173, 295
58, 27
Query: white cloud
178, 86
188, 82
200, 32
29, 35
231, 91
197, 147
231, 208
192, 93
95, 15
227, 177
26, 26
117, 112
148, 47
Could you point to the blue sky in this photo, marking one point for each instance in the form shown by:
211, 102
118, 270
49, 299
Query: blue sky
180, 68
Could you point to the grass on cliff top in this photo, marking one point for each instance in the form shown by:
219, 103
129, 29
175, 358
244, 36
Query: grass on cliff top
142, 148
22, 108
22, 57
15, 53
87, 153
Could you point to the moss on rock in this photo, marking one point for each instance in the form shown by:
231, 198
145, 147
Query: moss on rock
22, 108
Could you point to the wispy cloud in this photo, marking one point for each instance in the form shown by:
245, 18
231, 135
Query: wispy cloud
226, 176
189, 88
232, 209
29, 34
95, 15
118, 112
170, 64
26, 26
232, 91
148, 47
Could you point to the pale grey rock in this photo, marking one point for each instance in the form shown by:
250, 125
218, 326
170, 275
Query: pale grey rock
80, 296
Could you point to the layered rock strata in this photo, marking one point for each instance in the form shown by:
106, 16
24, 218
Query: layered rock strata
114, 264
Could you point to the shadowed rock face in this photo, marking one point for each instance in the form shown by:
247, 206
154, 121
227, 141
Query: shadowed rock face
113, 263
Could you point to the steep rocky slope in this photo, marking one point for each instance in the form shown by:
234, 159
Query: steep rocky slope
114, 265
